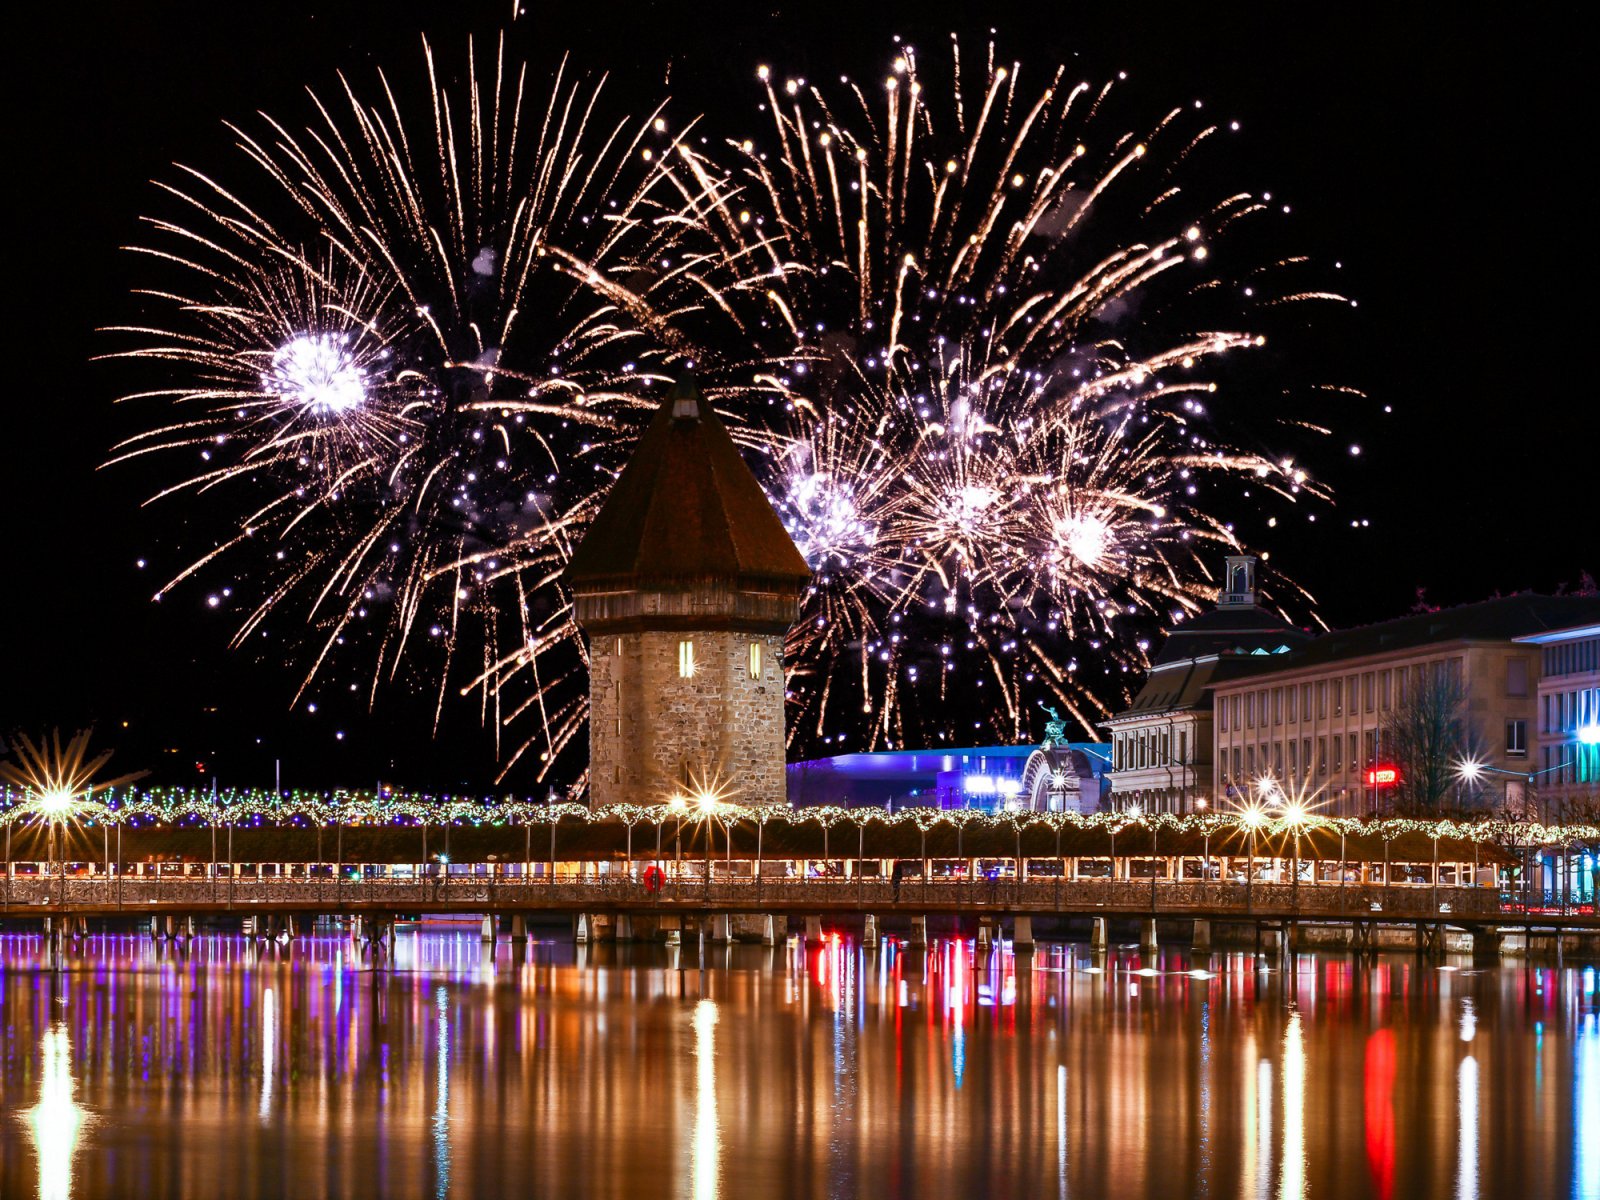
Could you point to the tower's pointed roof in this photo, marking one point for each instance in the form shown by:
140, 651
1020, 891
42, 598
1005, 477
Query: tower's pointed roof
686, 509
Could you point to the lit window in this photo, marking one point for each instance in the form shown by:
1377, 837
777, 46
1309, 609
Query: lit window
1516, 739
686, 660
755, 660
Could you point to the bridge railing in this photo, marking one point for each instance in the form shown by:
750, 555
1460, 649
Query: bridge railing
835, 893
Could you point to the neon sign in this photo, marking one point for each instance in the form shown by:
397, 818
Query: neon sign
1383, 775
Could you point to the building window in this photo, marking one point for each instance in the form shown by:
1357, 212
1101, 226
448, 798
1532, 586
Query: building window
1322, 756
1289, 699
1516, 677
1367, 698
1383, 690
1516, 739
1222, 716
1277, 706
1322, 700
1338, 697
1355, 762
686, 659
755, 660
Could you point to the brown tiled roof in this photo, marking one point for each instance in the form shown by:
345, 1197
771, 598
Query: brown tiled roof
686, 509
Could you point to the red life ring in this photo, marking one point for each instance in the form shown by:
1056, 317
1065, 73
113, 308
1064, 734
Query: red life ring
654, 878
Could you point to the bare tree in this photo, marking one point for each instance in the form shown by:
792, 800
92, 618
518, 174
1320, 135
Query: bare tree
1427, 737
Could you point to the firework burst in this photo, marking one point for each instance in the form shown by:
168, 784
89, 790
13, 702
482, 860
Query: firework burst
972, 332
1003, 324
404, 361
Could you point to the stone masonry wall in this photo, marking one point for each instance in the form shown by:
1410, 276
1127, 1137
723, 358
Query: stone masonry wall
653, 733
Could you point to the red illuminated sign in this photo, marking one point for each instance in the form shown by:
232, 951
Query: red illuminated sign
1383, 775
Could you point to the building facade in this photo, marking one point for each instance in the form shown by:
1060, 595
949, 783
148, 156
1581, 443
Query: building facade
1162, 743
686, 584
1566, 773
1315, 721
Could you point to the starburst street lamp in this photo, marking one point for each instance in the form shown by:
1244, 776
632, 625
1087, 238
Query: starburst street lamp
1252, 817
61, 783
1295, 815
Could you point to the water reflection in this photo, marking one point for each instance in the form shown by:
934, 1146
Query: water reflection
55, 1121
707, 1134
1292, 1184
956, 1071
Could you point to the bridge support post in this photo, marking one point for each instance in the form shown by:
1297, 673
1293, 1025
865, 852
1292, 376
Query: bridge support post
1486, 944
721, 928
813, 931
985, 936
487, 934
1022, 934
769, 934
580, 933
919, 932
1200, 940
1097, 934
624, 927
1147, 934
519, 927
869, 932
673, 925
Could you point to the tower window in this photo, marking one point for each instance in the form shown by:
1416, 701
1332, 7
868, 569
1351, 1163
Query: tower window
755, 660
686, 659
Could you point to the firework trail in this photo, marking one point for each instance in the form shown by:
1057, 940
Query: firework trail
403, 349
971, 334
1002, 323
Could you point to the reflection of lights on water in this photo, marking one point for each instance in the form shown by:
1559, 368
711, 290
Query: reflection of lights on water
1467, 1130
55, 1120
1292, 1183
707, 1135
441, 1104
1586, 1109
1061, 1127
269, 1049
1469, 1020
1203, 1176
1263, 1164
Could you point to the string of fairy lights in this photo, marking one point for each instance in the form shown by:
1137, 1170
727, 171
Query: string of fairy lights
188, 808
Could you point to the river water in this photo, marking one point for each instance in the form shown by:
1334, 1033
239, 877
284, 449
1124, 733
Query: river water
143, 1070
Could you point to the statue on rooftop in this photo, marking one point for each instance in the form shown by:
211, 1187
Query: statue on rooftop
1055, 729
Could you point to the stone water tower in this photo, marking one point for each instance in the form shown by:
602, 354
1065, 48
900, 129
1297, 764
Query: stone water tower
686, 584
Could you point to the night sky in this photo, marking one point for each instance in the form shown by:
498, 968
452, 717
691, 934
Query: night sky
1440, 162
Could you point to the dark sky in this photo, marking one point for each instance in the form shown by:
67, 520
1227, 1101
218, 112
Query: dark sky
1439, 160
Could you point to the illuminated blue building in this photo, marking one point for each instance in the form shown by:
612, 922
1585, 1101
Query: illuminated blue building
1050, 778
